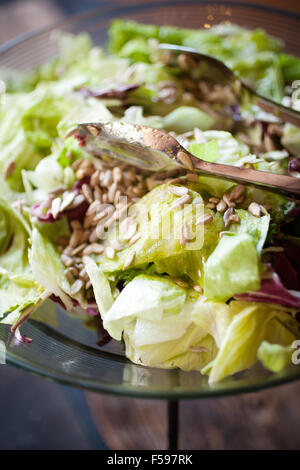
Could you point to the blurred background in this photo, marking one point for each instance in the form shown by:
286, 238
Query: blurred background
39, 414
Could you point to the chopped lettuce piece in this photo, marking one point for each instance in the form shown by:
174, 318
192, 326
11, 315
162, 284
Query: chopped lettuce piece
208, 152
48, 268
147, 298
253, 54
232, 268
192, 351
185, 118
291, 139
20, 292
251, 324
274, 357
256, 227
41, 117
101, 287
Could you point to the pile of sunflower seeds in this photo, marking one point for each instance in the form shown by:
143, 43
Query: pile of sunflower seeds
109, 193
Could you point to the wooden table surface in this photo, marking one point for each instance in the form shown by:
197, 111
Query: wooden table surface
264, 420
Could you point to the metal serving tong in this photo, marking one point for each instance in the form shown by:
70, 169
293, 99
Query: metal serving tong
155, 150
204, 67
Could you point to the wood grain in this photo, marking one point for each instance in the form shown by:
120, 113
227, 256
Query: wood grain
265, 420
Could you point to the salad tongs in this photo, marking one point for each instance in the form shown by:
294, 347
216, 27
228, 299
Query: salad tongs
156, 150
201, 66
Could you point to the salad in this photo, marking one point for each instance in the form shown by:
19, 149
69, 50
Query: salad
92, 233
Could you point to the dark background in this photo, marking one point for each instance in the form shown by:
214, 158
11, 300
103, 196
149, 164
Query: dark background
38, 414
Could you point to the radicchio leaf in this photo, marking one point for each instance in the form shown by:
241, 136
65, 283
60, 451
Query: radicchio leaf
272, 291
120, 92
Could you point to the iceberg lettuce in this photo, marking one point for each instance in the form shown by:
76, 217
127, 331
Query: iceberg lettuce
20, 293
232, 268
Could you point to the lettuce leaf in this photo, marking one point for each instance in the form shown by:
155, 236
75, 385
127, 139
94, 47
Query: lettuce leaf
48, 268
232, 268
159, 227
147, 298
251, 324
20, 293
274, 357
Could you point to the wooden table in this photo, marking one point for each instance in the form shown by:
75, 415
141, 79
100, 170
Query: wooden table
264, 420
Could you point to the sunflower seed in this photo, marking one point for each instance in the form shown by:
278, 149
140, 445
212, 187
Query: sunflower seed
88, 221
221, 206
129, 260
95, 178
94, 207
237, 192
93, 236
97, 193
93, 130
117, 175
178, 190
76, 287
55, 207
185, 159
111, 192
184, 234
87, 192
107, 178
230, 216
68, 250
204, 219
75, 238
106, 212
134, 239
67, 260
254, 209
78, 249
97, 248
79, 199
109, 222
181, 201
227, 200
83, 274
117, 197
69, 275
214, 200
88, 250
68, 198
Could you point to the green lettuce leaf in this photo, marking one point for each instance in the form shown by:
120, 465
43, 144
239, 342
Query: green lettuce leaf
159, 227
148, 298
233, 268
185, 118
20, 293
274, 357
250, 326
48, 268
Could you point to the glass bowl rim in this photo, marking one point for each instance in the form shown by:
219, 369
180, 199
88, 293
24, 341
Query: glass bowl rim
127, 390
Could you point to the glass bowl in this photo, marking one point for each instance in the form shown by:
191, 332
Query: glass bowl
69, 353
